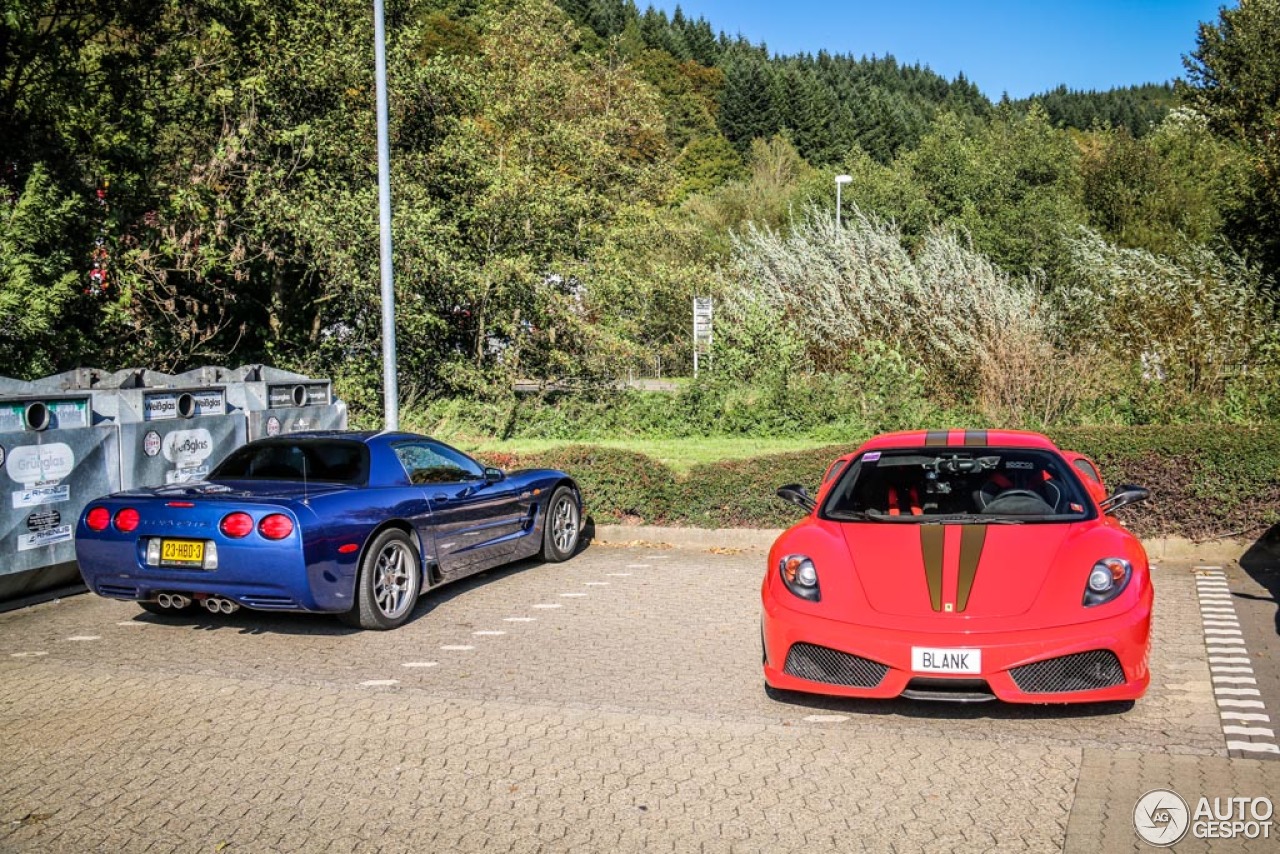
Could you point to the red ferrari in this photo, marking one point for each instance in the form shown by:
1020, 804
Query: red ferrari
962, 565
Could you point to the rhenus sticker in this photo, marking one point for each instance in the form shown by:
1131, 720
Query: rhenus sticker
47, 537
39, 495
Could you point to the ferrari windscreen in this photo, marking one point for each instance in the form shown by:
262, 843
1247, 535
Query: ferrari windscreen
327, 460
972, 484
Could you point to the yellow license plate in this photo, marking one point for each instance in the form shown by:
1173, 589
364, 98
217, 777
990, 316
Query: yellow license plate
182, 552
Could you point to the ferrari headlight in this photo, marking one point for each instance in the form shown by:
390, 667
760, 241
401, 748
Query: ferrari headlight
800, 576
1107, 579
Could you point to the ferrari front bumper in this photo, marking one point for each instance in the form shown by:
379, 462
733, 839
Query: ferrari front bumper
1106, 659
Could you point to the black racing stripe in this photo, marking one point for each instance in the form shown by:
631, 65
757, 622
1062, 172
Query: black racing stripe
931, 538
936, 437
975, 437
972, 539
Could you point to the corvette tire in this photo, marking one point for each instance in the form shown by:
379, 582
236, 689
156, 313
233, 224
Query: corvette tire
389, 583
563, 528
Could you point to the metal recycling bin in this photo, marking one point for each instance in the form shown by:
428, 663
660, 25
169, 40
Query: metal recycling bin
173, 434
54, 460
276, 401
72, 437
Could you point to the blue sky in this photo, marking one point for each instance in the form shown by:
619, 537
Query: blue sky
1003, 46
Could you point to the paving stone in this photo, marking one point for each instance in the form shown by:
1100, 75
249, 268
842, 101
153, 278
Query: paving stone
634, 719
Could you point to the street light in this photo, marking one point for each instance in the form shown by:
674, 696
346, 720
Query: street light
390, 392
840, 181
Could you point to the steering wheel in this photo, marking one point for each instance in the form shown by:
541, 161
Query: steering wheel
1015, 494
1019, 493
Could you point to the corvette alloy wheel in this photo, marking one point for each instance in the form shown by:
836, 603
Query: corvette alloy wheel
388, 584
564, 526
393, 580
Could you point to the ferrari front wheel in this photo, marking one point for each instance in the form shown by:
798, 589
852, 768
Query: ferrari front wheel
563, 528
389, 582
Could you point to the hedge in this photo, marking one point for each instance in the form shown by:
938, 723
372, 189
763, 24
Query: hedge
1208, 481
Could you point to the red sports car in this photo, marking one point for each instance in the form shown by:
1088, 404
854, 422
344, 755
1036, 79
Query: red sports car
962, 565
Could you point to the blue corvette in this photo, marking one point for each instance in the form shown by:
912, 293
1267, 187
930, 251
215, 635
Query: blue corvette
354, 524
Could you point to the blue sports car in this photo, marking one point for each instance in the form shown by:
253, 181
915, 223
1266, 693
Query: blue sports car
354, 524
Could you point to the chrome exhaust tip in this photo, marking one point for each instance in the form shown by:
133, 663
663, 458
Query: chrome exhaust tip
177, 600
211, 605
164, 601
227, 606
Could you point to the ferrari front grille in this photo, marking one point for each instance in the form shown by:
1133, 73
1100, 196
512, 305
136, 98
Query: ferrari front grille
819, 664
1083, 671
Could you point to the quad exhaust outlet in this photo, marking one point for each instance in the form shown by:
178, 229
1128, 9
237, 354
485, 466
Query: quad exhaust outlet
173, 600
218, 605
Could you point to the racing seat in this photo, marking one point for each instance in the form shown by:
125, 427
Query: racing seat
1040, 483
900, 497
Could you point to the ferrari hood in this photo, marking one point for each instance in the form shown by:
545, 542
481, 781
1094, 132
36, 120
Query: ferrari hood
961, 570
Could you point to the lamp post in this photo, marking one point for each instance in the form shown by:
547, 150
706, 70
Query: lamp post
390, 392
841, 180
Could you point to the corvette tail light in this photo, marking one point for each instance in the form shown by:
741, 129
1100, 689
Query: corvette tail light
277, 526
127, 520
236, 525
800, 576
98, 519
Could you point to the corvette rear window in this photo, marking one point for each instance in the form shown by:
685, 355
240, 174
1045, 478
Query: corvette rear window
970, 484
327, 460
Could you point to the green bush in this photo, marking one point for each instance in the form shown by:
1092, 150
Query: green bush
1208, 481
616, 485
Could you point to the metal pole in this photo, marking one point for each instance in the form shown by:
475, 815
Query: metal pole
695, 337
837, 205
390, 393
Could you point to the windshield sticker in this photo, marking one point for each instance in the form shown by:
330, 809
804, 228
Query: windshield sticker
1019, 464
870, 456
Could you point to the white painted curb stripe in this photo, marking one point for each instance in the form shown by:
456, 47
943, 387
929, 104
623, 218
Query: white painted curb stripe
1256, 747
1235, 680
1249, 730
1246, 716
1238, 692
1240, 704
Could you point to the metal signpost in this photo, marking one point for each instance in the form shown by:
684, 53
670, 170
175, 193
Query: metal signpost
701, 330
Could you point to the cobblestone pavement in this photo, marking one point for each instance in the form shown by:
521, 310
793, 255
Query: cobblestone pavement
613, 702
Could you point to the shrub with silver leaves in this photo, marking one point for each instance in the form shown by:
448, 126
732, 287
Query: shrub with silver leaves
946, 307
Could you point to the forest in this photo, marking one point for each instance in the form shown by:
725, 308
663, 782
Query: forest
188, 182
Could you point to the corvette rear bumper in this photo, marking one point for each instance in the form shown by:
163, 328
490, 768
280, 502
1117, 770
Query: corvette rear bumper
867, 654
261, 579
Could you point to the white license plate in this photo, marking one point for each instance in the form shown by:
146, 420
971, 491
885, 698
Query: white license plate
926, 659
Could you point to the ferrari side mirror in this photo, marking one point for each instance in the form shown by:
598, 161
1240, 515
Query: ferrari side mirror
1127, 494
794, 493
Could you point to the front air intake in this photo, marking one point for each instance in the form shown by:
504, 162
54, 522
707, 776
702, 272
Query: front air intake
1083, 671
819, 664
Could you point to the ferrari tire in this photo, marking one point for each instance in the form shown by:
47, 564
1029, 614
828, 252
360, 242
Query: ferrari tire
563, 527
389, 582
